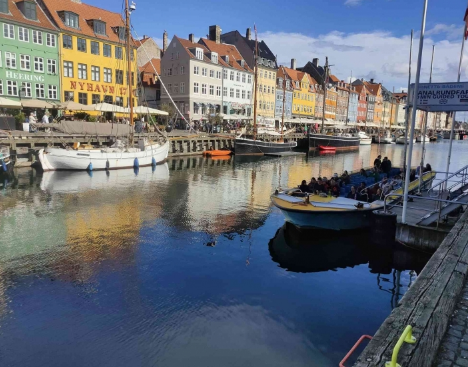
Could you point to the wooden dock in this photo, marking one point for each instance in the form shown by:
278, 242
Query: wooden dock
427, 306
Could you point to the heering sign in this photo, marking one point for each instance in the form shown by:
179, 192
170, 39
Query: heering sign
438, 97
27, 77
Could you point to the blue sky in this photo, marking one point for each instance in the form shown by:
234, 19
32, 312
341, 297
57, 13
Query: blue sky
368, 38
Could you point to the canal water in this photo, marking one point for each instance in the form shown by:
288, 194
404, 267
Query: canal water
190, 265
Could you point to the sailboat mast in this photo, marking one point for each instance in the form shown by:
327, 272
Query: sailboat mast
325, 79
129, 62
256, 85
349, 96
284, 102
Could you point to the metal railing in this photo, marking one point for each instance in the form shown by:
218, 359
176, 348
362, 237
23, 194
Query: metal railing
458, 179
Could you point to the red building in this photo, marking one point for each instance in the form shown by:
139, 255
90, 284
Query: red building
362, 103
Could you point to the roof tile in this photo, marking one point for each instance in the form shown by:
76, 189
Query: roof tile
15, 14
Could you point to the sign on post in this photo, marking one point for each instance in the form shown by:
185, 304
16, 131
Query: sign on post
441, 97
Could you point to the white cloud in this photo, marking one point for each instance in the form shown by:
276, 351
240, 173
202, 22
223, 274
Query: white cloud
379, 54
450, 31
353, 2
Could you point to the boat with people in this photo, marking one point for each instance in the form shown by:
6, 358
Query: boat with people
364, 139
346, 208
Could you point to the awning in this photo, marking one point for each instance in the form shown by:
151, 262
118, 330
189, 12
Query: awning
36, 103
73, 106
149, 111
8, 103
107, 107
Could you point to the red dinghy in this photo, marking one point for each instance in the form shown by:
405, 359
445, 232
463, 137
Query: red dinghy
327, 149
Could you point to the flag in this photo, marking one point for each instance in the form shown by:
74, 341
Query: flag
466, 23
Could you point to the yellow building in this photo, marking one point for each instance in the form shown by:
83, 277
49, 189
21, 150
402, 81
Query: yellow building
266, 93
303, 104
93, 53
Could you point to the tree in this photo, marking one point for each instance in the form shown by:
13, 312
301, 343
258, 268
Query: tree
170, 109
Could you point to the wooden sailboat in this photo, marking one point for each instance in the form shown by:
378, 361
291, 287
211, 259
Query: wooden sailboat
244, 146
143, 153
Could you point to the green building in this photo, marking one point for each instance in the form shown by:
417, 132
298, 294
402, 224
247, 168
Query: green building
29, 52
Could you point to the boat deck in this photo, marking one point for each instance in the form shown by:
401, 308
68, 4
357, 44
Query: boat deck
284, 154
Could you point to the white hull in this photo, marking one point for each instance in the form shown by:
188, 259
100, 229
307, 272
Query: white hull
53, 159
365, 141
420, 139
402, 141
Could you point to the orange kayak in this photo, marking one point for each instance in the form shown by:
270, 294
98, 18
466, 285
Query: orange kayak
216, 153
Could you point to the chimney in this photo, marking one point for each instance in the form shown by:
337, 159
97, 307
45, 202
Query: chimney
215, 33
165, 43
293, 64
248, 34
372, 81
315, 61
191, 37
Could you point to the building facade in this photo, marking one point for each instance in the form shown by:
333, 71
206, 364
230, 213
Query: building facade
149, 85
93, 53
29, 53
267, 69
353, 104
237, 79
342, 101
284, 95
362, 103
147, 50
193, 78
331, 103
303, 103
319, 102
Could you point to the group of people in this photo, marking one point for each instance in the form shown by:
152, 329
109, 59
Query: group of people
375, 192
384, 165
324, 185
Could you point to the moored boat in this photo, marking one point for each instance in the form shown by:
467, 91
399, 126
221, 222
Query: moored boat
364, 139
327, 149
217, 152
421, 138
244, 146
340, 142
402, 140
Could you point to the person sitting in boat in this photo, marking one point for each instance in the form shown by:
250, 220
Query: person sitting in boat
353, 193
326, 184
386, 166
334, 188
387, 188
378, 161
319, 187
345, 179
412, 176
383, 183
312, 184
428, 168
363, 195
363, 172
377, 195
304, 187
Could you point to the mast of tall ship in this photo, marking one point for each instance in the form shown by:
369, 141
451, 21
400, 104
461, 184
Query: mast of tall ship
284, 101
256, 85
129, 67
325, 79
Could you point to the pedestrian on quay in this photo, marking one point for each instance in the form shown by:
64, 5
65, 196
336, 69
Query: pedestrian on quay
378, 161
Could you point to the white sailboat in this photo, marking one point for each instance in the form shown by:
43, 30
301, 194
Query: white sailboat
364, 139
120, 155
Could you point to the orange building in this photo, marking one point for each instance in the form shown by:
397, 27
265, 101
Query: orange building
330, 103
376, 90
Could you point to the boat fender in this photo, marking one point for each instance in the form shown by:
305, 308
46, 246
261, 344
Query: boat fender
90, 167
4, 167
136, 170
136, 164
107, 165
153, 162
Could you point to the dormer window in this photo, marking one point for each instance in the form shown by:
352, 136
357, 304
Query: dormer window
242, 63
28, 8
214, 57
280, 82
70, 19
297, 84
287, 84
199, 53
226, 59
4, 6
121, 32
99, 27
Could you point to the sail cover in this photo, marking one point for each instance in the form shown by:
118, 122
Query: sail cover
92, 128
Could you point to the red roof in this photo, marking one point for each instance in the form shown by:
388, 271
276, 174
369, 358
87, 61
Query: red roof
223, 49
148, 67
86, 13
334, 79
142, 41
16, 15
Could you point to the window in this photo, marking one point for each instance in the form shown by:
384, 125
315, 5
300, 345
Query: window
118, 52
95, 73
224, 74
10, 60
175, 89
69, 96
52, 66
231, 92
218, 75
119, 77
50, 40
231, 76
218, 91
211, 73
95, 98
25, 62
237, 77
12, 88
82, 71
196, 108
39, 64
26, 89
243, 78
71, 20
52, 91
195, 88
204, 71
99, 27
28, 9
122, 32
199, 54
67, 41
203, 89
81, 44
23, 34
40, 91
243, 94
249, 79
68, 69
108, 75
211, 90
83, 98
107, 50
37, 37
196, 70
182, 70
4, 9
119, 101
95, 48
8, 31
237, 93
182, 87
108, 99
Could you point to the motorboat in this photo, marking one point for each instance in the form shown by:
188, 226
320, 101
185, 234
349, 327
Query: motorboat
421, 138
217, 152
327, 149
364, 139
338, 141
244, 146
402, 140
